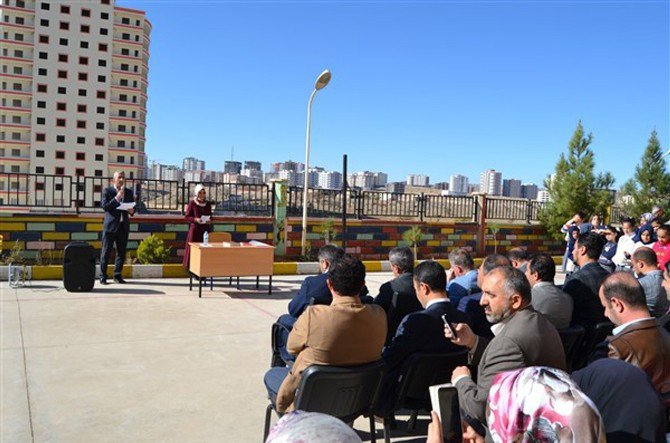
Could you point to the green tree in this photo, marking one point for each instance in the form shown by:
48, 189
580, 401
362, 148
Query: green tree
575, 186
152, 250
651, 183
413, 236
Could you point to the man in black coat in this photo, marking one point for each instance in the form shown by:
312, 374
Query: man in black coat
116, 226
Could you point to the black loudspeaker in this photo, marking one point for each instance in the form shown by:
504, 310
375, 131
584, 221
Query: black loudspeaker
79, 267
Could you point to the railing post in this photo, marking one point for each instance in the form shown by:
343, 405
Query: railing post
481, 231
422, 208
76, 201
529, 211
183, 196
272, 199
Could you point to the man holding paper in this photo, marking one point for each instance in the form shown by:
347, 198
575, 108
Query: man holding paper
118, 203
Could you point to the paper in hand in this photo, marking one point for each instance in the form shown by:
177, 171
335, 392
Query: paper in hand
125, 206
205, 218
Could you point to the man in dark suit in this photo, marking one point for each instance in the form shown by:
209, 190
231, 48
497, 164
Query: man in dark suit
397, 297
523, 337
583, 285
116, 226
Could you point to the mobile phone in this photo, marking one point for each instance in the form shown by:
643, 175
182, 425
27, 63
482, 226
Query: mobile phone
448, 326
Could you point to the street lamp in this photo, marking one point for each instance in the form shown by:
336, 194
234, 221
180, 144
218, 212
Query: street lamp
321, 83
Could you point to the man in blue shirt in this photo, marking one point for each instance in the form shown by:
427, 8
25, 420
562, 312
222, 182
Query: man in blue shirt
463, 279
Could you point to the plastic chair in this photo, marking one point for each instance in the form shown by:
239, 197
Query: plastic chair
572, 338
592, 338
343, 392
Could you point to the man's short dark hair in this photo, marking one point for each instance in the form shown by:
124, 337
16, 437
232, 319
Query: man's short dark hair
518, 254
624, 286
544, 265
593, 243
514, 282
431, 273
330, 253
347, 275
581, 214
629, 220
646, 255
494, 261
403, 258
461, 257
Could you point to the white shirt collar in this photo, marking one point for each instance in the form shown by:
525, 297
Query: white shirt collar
498, 327
436, 300
620, 328
543, 283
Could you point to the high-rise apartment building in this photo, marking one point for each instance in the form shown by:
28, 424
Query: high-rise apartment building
74, 90
543, 196
529, 191
458, 185
193, 164
490, 182
330, 180
252, 165
511, 188
418, 180
232, 167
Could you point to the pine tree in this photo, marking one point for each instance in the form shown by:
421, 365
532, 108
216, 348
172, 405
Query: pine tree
574, 186
651, 183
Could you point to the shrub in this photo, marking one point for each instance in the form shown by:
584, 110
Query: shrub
152, 250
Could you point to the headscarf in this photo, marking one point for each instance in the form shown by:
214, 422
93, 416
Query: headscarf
540, 404
308, 427
197, 189
638, 237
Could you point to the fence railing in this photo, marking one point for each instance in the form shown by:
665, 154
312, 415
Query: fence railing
81, 193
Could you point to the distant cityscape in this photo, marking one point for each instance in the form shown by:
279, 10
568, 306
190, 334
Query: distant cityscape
250, 172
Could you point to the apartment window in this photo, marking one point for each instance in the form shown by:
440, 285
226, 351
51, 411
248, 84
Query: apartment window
83, 76
81, 156
83, 60
121, 144
81, 108
41, 88
39, 169
123, 82
18, 37
41, 104
85, 29
44, 22
81, 124
62, 58
102, 47
63, 42
16, 168
43, 55
59, 171
64, 9
85, 12
98, 173
99, 141
125, 20
40, 137
123, 97
102, 62
103, 31
60, 122
62, 74
17, 53
124, 67
60, 139
99, 157
104, 15
17, 103
125, 36
41, 120
39, 153
122, 128
125, 51
16, 153
99, 125
102, 78
100, 109
42, 71
60, 106
120, 158
16, 119
81, 140
64, 26
83, 45
62, 90
15, 69
19, 20
44, 39
45, 6
123, 113
101, 94
16, 136
79, 171
59, 186
60, 155
17, 87
82, 93
39, 186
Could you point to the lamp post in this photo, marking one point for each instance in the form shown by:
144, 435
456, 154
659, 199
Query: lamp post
321, 83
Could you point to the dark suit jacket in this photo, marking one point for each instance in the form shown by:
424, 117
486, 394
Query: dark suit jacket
527, 339
314, 291
471, 307
113, 215
583, 287
406, 301
422, 331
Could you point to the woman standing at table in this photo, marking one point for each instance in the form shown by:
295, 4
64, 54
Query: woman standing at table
196, 209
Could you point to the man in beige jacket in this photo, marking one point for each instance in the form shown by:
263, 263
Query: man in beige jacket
344, 333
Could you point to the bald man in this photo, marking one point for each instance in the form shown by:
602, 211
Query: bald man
116, 226
637, 338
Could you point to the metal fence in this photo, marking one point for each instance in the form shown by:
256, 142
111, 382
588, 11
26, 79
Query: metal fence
42, 192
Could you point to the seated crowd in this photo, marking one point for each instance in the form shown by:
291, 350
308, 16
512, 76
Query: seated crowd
512, 320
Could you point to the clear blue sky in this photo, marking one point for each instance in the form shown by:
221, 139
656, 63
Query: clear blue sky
418, 87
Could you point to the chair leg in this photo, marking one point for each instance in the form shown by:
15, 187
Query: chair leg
268, 415
411, 423
387, 431
373, 431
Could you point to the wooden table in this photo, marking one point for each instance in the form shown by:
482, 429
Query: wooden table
230, 259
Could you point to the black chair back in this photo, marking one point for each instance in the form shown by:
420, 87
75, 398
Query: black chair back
424, 370
591, 339
572, 339
343, 392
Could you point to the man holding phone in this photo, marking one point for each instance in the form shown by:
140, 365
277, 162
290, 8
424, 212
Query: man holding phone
116, 225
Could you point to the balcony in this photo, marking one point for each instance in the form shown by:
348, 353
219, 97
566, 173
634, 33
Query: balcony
27, 9
9, 125
26, 25
28, 59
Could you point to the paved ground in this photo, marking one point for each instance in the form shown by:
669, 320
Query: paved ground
147, 361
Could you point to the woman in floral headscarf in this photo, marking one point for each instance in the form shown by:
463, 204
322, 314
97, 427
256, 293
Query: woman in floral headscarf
198, 225
540, 404
311, 427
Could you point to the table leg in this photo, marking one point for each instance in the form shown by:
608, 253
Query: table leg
258, 280
199, 287
238, 282
270, 286
211, 283
190, 281
230, 281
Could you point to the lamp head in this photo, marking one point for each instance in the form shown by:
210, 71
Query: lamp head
322, 80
